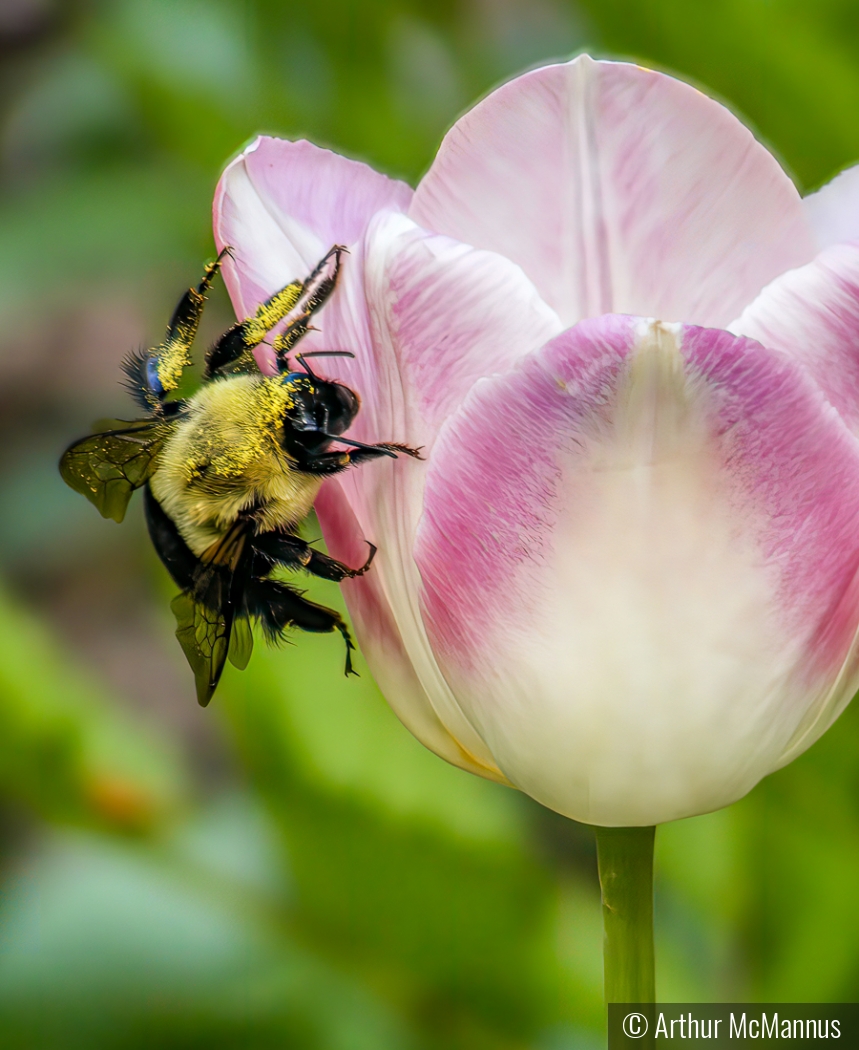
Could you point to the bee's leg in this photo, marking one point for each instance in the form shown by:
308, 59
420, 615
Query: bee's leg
302, 297
156, 373
245, 335
281, 548
318, 286
183, 326
278, 607
326, 463
382, 448
291, 334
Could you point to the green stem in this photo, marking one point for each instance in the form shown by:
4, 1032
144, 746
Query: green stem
625, 857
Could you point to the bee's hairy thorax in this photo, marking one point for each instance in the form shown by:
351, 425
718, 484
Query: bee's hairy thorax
225, 455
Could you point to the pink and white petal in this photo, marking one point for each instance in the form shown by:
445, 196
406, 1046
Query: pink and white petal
282, 205
271, 247
447, 314
381, 642
385, 502
442, 314
618, 189
833, 210
812, 314
640, 576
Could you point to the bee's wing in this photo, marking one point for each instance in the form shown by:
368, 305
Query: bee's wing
207, 628
107, 467
204, 635
241, 643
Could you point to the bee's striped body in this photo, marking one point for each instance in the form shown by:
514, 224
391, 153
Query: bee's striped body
230, 473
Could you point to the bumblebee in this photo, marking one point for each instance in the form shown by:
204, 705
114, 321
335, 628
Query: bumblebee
229, 473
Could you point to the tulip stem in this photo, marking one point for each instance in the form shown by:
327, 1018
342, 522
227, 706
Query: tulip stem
625, 859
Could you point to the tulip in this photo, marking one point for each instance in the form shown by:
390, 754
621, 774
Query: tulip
624, 578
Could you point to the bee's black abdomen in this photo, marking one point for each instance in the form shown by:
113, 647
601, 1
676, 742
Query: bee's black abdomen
179, 560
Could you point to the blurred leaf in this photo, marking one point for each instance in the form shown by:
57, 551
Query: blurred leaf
64, 235
347, 739
700, 905
65, 750
405, 889
136, 950
800, 853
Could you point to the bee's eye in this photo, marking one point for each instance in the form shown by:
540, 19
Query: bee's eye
152, 379
342, 405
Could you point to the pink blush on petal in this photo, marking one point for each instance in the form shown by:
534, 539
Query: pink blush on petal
791, 458
490, 503
785, 471
346, 543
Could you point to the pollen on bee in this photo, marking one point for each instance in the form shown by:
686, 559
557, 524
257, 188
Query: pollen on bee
173, 358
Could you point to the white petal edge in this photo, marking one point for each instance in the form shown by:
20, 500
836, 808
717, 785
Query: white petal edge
833, 210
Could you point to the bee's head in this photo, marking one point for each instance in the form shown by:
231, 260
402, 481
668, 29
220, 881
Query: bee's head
330, 407
321, 410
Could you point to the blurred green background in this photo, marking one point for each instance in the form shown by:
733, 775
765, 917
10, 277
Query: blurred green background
289, 868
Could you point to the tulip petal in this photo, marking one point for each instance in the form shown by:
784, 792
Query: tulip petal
441, 315
282, 205
444, 314
640, 577
382, 643
833, 210
618, 189
812, 314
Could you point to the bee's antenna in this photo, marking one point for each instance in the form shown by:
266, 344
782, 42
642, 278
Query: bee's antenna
326, 353
301, 358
